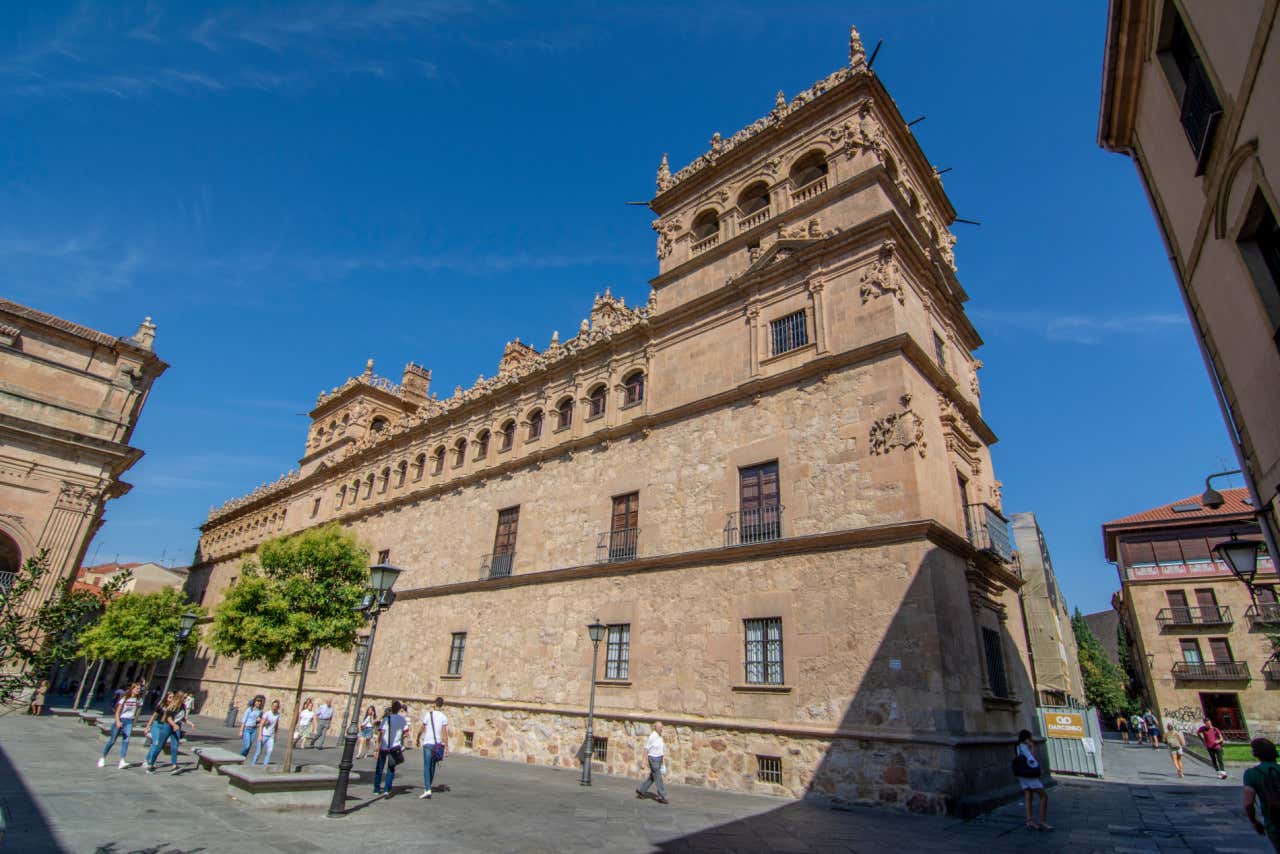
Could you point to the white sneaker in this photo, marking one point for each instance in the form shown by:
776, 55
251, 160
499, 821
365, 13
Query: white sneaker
426, 794
102, 761
123, 764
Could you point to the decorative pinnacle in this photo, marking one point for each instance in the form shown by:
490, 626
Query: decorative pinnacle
857, 53
780, 102
664, 173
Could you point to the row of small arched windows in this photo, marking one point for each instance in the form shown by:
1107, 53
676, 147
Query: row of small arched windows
261, 526
755, 196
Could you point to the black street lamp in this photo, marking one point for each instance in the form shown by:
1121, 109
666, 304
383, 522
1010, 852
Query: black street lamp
380, 597
185, 625
595, 631
1241, 557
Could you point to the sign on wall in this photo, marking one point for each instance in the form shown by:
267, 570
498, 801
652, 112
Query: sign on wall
1063, 725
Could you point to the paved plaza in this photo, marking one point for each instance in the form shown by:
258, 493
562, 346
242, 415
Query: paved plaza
54, 799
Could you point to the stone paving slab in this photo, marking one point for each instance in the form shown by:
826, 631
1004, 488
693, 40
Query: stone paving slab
54, 799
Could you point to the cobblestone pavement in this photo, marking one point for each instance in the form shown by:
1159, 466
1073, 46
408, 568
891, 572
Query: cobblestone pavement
54, 799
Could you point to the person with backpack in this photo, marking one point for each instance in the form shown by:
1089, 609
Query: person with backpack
1262, 783
1175, 741
1122, 725
1213, 740
1153, 727
390, 749
1028, 771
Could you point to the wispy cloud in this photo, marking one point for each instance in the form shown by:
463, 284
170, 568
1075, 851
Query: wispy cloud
1082, 328
86, 265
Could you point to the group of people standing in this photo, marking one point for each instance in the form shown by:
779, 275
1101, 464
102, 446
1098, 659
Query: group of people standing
313, 723
169, 719
258, 729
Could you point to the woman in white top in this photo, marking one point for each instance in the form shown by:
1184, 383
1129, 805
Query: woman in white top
122, 724
1032, 786
305, 716
267, 734
367, 725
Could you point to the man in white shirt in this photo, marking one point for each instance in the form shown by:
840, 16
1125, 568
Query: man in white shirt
655, 751
324, 716
390, 749
433, 735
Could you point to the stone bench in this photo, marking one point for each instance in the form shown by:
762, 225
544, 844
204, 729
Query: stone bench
268, 788
90, 718
104, 729
214, 759
64, 712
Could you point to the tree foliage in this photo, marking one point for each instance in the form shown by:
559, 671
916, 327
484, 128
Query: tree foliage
34, 642
1104, 681
140, 627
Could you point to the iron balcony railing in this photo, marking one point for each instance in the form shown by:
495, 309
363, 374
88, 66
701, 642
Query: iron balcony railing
758, 525
988, 531
8, 579
1263, 613
622, 544
1271, 670
1209, 615
1218, 671
496, 565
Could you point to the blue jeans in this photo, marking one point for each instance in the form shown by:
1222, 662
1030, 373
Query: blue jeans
246, 741
269, 741
175, 739
383, 757
428, 765
159, 735
123, 730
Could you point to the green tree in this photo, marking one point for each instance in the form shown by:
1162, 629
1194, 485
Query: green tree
1104, 682
140, 627
1134, 691
34, 642
297, 595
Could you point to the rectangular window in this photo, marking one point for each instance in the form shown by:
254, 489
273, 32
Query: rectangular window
763, 650
384, 556
1259, 244
617, 659
940, 351
994, 652
624, 527
1205, 599
313, 660
1220, 649
456, 647
769, 769
315, 508
1266, 595
788, 333
600, 748
504, 542
1191, 651
468, 739
758, 508
1199, 107
1179, 611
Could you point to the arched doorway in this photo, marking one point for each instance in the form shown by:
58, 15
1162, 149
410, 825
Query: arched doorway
10, 557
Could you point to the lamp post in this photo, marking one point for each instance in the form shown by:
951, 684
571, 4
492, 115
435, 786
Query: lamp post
185, 625
362, 650
595, 631
1241, 557
232, 711
382, 577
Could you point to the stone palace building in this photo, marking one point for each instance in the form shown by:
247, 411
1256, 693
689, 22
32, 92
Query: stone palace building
772, 482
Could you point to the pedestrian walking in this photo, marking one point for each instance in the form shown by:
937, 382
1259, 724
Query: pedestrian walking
390, 749
324, 717
433, 736
1213, 740
367, 726
1028, 771
162, 727
37, 697
249, 723
1153, 727
1122, 724
655, 751
267, 734
1262, 783
122, 725
305, 716
1175, 741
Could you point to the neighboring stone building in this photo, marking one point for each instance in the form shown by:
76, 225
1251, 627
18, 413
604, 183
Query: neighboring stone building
1105, 627
1198, 641
69, 400
1055, 661
772, 482
1189, 92
143, 577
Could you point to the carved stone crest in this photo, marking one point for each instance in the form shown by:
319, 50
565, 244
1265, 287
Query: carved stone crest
884, 277
667, 231
903, 429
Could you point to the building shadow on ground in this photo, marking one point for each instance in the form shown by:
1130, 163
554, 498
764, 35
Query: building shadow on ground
26, 828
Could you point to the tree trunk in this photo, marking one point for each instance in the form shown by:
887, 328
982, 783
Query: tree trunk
75, 704
297, 707
102, 665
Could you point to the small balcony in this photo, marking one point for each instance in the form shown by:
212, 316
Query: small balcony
988, 531
1271, 670
808, 191
496, 565
704, 244
758, 525
1181, 618
1258, 615
751, 220
1218, 671
614, 546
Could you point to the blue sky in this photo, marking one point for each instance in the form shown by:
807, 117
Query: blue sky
290, 189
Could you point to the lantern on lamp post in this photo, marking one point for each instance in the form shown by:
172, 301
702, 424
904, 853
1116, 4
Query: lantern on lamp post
185, 624
1241, 557
595, 631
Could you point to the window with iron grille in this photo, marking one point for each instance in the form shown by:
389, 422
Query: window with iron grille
456, 647
384, 556
617, 660
788, 333
600, 748
764, 650
1199, 107
468, 739
769, 769
940, 351
991, 646
313, 661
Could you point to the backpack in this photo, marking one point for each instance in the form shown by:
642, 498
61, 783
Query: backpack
1269, 791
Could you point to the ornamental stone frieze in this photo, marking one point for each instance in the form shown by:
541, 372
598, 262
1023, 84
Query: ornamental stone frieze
903, 429
884, 277
77, 498
958, 436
